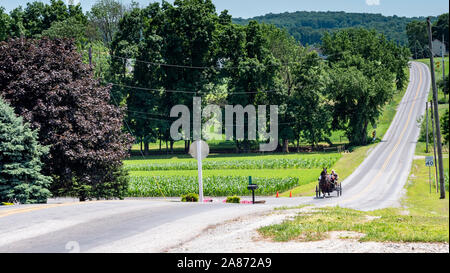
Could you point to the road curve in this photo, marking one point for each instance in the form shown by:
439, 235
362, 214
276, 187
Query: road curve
379, 181
155, 225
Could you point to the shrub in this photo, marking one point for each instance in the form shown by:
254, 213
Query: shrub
233, 199
190, 197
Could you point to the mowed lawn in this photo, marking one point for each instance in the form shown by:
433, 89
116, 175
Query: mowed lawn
173, 175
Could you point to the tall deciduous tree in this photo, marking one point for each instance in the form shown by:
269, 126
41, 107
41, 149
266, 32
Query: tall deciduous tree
363, 70
5, 24
417, 38
440, 27
21, 179
48, 84
105, 15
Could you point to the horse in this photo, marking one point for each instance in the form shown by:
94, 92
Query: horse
325, 182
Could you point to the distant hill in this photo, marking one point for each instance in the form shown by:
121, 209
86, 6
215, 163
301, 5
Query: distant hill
308, 27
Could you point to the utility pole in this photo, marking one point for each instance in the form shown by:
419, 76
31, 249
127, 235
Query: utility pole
436, 112
434, 148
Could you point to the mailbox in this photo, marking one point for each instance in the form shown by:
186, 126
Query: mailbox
252, 187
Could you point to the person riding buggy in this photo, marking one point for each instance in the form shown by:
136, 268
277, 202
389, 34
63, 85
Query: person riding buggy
333, 176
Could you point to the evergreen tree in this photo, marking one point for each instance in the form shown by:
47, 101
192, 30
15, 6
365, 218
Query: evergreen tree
20, 164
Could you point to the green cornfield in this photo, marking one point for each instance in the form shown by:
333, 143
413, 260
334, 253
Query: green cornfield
148, 186
269, 163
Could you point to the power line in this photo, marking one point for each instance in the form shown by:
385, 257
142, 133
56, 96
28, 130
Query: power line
184, 91
195, 67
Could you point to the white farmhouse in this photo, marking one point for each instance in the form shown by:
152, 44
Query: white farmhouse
438, 48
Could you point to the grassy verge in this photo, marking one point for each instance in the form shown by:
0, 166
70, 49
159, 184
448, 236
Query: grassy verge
423, 218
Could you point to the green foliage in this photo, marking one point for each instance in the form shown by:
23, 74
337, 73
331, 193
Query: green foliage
418, 35
21, 179
5, 22
364, 65
443, 84
445, 127
418, 38
440, 27
105, 16
69, 28
233, 199
190, 197
38, 17
308, 27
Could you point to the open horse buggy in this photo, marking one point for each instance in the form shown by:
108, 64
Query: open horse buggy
328, 185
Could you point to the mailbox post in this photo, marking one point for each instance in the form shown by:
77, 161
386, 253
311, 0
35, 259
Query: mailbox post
252, 187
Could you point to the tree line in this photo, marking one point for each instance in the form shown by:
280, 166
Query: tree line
308, 27
86, 82
418, 35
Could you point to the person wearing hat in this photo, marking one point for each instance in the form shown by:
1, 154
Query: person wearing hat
334, 176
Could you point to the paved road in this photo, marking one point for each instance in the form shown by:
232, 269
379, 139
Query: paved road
154, 225
378, 182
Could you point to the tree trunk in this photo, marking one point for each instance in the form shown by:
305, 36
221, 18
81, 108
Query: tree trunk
364, 134
285, 145
171, 146
186, 146
146, 147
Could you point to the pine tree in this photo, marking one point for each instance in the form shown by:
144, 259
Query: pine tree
20, 164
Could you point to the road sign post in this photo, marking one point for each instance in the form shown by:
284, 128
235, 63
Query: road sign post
200, 172
199, 150
429, 162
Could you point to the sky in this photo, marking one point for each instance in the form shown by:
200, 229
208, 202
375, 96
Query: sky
251, 8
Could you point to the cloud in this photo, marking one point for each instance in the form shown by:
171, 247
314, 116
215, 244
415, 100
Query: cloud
373, 2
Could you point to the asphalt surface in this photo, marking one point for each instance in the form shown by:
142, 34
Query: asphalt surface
155, 225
